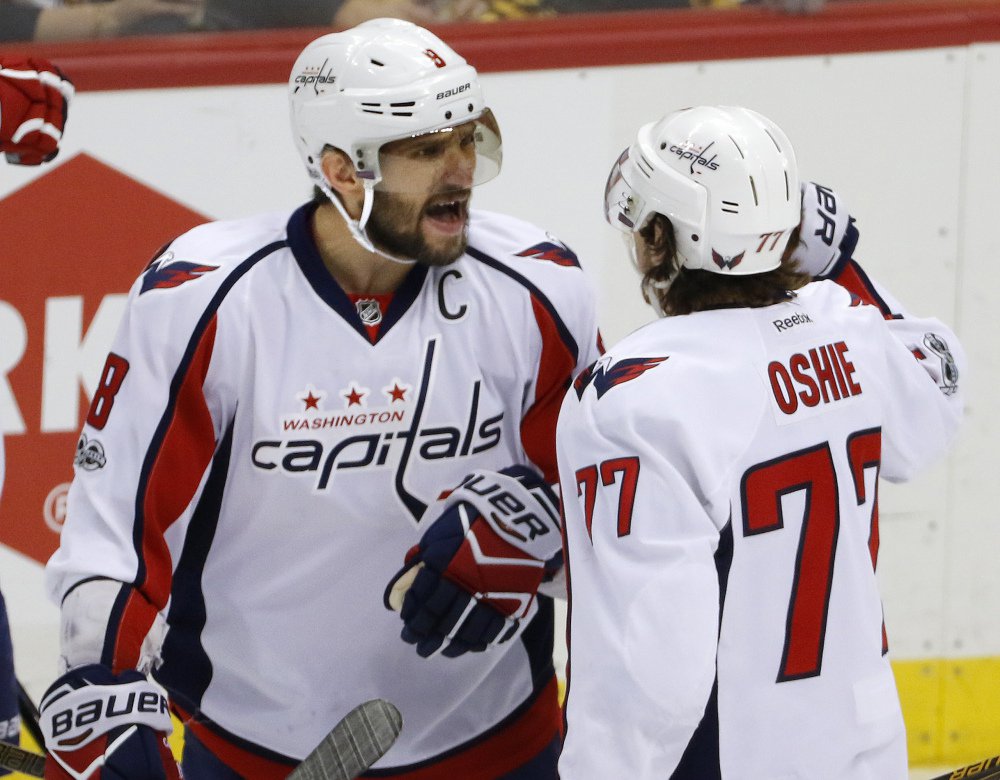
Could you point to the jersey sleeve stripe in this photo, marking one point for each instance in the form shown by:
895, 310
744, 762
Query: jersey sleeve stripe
131, 619
562, 330
852, 278
555, 372
176, 471
187, 668
560, 353
174, 463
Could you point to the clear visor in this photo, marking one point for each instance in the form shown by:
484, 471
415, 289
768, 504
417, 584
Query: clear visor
621, 204
631, 248
449, 159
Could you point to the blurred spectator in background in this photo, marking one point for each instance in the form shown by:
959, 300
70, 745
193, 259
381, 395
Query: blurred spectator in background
353, 12
241, 15
57, 20
343, 14
21, 20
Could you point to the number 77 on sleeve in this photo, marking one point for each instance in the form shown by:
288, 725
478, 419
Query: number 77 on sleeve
622, 473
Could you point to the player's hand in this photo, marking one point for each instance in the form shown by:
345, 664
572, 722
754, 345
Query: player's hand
827, 235
108, 727
473, 579
34, 100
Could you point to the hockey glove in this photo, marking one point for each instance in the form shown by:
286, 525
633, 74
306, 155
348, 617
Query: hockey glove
473, 579
108, 727
34, 99
827, 236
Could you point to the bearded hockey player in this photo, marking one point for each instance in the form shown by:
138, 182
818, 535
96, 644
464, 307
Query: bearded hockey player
298, 405
719, 469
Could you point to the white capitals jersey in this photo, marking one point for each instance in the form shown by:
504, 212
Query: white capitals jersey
718, 476
254, 459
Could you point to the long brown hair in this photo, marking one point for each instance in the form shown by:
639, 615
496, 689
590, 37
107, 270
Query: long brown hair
678, 290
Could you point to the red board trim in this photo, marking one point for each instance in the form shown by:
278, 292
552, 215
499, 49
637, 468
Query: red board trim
570, 41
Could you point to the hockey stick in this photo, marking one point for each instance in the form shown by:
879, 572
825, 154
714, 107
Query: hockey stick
29, 715
19, 760
357, 742
987, 769
354, 744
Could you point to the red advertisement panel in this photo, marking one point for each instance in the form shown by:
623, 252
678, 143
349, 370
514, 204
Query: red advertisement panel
71, 244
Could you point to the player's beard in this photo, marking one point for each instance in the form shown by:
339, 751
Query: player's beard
395, 227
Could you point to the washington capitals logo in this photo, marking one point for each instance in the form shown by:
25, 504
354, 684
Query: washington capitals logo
560, 254
164, 275
727, 262
604, 375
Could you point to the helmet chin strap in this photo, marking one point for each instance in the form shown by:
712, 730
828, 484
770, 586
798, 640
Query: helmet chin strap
357, 226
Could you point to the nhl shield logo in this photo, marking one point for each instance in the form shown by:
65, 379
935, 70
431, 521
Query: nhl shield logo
369, 311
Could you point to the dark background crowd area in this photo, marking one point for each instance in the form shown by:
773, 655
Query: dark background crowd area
56, 20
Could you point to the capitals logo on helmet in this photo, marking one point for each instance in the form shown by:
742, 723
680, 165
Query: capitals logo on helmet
727, 262
724, 176
383, 81
359, 89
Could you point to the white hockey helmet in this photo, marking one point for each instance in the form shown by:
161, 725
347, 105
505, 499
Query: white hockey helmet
384, 80
726, 178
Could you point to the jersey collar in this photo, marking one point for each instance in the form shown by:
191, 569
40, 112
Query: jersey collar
300, 241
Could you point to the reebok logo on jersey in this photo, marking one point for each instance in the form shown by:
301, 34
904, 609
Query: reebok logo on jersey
790, 322
560, 254
822, 375
604, 376
166, 274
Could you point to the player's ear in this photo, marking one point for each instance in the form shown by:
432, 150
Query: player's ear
343, 180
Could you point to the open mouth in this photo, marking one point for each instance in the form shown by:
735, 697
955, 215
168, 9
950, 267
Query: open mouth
449, 214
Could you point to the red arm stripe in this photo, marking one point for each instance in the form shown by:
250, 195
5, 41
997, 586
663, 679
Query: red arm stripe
555, 372
136, 619
177, 469
854, 280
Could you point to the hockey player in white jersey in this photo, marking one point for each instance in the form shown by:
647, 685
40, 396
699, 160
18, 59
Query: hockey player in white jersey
719, 474
287, 400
